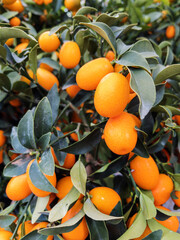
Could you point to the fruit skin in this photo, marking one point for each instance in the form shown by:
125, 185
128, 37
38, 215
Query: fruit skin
177, 201
81, 231
146, 232
15, 21
170, 32
20, 47
9, 42
72, 5
120, 134
68, 162
91, 73
73, 90
1, 156
110, 55
46, 66
161, 192
111, 95
5, 235
18, 188
2, 138
15, 102
46, 79
69, 54
8, 1
38, 192
64, 185
25, 79
16, 6
171, 223
48, 43
145, 172
105, 199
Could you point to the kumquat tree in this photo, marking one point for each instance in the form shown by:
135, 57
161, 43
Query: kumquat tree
89, 120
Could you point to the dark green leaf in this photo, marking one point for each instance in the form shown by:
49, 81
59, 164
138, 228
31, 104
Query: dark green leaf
18, 59
21, 86
160, 90
33, 58
97, 229
43, 118
39, 179
169, 72
44, 140
54, 100
110, 20
17, 146
9, 14
143, 84
86, 144
122, 47
104, 31
140, 149
81, 97
157, 235
82, 18
34, 235
120, 31
4, 82
26, 131
17, 166
47, 162
159, 145
3, 52
145, 48
31, 30
58, 29
85, 10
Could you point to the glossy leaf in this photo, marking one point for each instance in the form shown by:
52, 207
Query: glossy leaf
85, 10
43, 118
41, 204
17, 146
3, 53
147, 205
6, 220
160, 144
81, 97
33, 58
82, 18
140, 149
104, 31
4, 82
52, 63
110, 19
26, 131
34, 235
58, 29
92, 212
39, 180
145, 48
47, 162
97, 229
157, 235
168, 72
160, 90
143, 84
44, 140
79, 176
83, 145
120, 31
61, 208
122, 47
54, 100
169, 213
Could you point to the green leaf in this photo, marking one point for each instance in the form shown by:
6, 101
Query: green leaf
86, 144
136, 229
44, 140
6, 32
120, 31
82, 18
110, 168
9, 14
54, 100
34, 235
17, 166
168, 72
6, 220
157, 235
52, 63
92, 212
38, 178
147, 205
134, 59
4, 82
104, 31
169, 213
143, 84
43, 118
160, 90
61, 208
79, 176
67, 226
160, 143
58, 29
110, 19
26, 131
21, 86
85, 10
31, 30
97, 229
2, 95
41, 204
47, 162
145, 48
17, 146
3, 52
33, 58
122, 47
140, 149
9, 209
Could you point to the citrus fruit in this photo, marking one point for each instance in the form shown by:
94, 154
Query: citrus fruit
31, 74
146, 232
15, 21
38, 192
161, 192
18, 188
64, 185
8, 1
25, 228
48, 43
1, 156
110, 55
39, 2
46, 79
69, 54
46, 66
73, 90
42, 225
15, 102
5, 235
145, 172
2, 138
81, 231
120, 134
20, 47
51, 199
104, 198
15, 6
46, 2
137, 120
72, 5
91, 73
177, 201
69, 161
170, 32
111, 95
9, 42
171, 223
